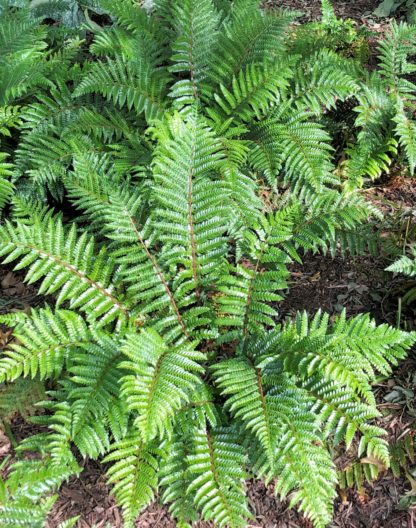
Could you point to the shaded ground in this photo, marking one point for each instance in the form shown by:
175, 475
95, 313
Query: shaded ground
351, 9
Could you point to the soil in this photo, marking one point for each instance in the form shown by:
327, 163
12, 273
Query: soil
356, 10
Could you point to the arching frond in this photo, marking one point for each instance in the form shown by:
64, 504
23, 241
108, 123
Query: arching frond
46, 339
67, 263
160, 380
133, 473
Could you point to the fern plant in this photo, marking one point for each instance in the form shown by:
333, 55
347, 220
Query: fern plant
165, 354
195, 159
30, 64
386, 105
270, 91
406, 265
240, 65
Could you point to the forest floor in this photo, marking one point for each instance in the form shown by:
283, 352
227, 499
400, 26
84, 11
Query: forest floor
357, 284
357, 10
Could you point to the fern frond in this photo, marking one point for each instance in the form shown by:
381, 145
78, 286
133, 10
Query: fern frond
339, 409
320, 85
317, 350
370, 349
19, 34
302, 463
67, 263
160, 382
133, 17
92, 440
394, 53
381, 345
331, 222
6, 186
196, 28
216, 463
94, 378
247, 290
132, 84
190, 214
26, 514
255, 90
302, 146
405, 265
9, 118
406, 132
118, 213
46, 339
175, 475
249, 36
133, 473
242, 384
24, 494
33, 479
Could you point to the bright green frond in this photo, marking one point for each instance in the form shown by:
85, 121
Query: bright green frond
303, 464
302, 147
405, 265
190, 214
242, 384
132, 84
94, 377
253, 92
196, 28
216, 464
9, 118
66, 262
45, 340
394, 54
247, 291
175, 474
249, 36
321, 84
134, 474
159, 382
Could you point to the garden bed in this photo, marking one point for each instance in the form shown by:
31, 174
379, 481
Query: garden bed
354, 284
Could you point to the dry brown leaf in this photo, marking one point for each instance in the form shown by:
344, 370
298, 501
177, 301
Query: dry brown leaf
5, 337
5, 444
374, 461
9, 280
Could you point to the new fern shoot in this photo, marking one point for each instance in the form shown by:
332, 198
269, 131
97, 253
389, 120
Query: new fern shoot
163, 354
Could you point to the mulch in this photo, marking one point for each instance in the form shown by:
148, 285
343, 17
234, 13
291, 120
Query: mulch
356, 10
